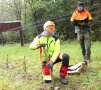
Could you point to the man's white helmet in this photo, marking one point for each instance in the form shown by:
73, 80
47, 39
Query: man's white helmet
48, 23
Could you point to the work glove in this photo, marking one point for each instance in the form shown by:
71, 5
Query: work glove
41, 45
49, 64
82, 24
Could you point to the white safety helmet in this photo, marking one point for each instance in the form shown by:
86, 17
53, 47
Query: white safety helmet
48, 23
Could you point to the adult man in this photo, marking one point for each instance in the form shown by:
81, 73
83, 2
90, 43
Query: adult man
82, 20
49, 45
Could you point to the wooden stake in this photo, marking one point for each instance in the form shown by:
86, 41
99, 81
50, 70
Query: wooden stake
7, 62
25, 68
24, 63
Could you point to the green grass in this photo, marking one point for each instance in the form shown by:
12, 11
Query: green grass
14, 77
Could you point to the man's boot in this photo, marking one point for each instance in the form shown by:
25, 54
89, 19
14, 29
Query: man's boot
63, 80
84, 65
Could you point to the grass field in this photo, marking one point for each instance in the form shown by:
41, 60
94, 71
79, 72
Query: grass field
14, 76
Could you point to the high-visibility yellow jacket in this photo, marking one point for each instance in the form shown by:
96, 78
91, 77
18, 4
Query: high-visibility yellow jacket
52, 47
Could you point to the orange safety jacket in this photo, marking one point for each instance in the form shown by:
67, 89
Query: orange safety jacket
81, 18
